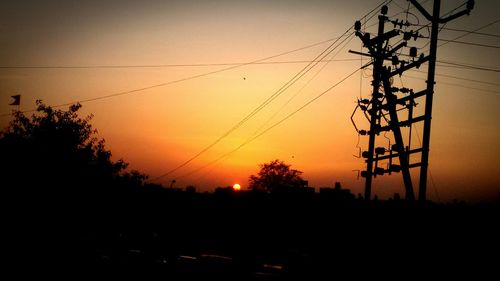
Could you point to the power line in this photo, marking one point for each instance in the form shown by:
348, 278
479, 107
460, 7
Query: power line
467, 32
300, 90
444, 25
470, 43
483, 68
461, 67
179, 80
164, 65
399, 6
467, 79
270, 127
403, 11
456, 85
462, 78
472, 32
454, 9
284, 87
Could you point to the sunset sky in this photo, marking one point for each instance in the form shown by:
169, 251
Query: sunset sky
66, 51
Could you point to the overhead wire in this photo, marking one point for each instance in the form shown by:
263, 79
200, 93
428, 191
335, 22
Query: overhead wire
461, 78
286, 86
178, 80
467, 66
272, 116
164, 65
462, 65
456, 85
272, 126
277, 93
443, 26
469, 43
304, 86
472, 32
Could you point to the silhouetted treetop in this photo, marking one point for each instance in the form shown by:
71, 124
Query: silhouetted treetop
58, 149
276, 176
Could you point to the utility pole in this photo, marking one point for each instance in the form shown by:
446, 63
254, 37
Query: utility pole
435, 19
385, 107
378, 61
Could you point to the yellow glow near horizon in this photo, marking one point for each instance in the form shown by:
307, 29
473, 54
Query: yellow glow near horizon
236, 187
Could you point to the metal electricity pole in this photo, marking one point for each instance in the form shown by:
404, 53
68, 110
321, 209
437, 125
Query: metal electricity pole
385, 107
435, 19
378, 61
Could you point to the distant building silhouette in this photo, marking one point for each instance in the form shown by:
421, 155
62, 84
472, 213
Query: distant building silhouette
337, 193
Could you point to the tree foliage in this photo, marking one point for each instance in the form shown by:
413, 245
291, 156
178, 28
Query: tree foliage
276, 176
56, 149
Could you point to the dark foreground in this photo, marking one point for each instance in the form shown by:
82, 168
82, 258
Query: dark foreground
252, 236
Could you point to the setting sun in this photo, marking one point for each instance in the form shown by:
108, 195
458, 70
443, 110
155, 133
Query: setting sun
236, 187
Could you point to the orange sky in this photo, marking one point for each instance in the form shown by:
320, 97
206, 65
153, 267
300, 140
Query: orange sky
157, 129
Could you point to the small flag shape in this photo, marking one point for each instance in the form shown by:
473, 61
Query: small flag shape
17, 100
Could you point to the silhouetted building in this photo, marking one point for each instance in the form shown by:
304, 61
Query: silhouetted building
337, 193
224, 190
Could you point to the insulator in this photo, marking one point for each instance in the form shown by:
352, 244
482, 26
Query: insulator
395, 60
395, 168
395, 89
380, 150
384, 10
364, 174
404, 90
407, 35
397, 148
363, 132
413, 52
379, 171
364, 101
397, 23
364, 108
357, 25
470, 4
366, 37
365, 154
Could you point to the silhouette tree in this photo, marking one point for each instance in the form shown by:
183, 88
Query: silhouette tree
57, 151
276, 176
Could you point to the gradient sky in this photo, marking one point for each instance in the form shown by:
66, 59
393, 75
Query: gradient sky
157, 129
